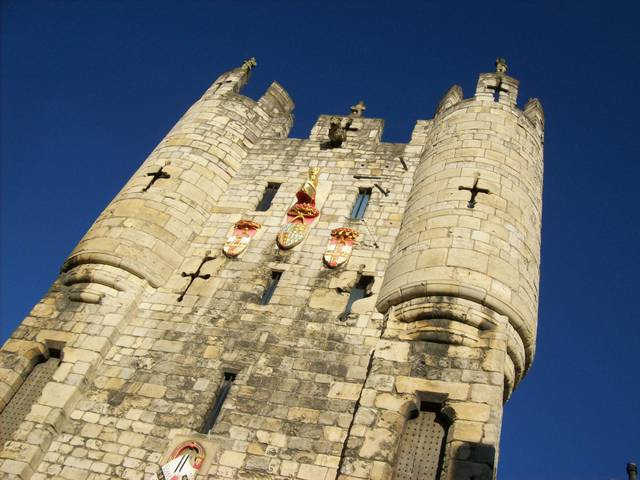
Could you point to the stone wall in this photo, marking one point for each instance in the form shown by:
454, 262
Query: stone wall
317, 394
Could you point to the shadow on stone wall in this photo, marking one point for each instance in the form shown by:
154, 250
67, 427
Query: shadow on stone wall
472, 461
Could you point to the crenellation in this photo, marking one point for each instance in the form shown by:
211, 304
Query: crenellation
359, 130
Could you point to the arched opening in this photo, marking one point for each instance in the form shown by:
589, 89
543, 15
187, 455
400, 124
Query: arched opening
27, 394
422, 445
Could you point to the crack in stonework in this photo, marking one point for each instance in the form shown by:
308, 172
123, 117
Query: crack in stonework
355, 413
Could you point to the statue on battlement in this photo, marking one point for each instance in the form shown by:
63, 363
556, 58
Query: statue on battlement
338, 130
358, 109
249, 64
501, 65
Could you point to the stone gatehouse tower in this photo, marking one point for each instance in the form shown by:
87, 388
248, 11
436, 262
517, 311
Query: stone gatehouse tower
257, 306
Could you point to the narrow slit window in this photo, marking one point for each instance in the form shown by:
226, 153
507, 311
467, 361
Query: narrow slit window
271, 287
27, 394
267, 197
214, 412
362, 200
361, 289
421, 452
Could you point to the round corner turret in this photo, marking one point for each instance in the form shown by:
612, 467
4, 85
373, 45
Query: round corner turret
180, 183
472, 225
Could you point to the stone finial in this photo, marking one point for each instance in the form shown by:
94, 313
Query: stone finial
249, 64
501, 65
357, 109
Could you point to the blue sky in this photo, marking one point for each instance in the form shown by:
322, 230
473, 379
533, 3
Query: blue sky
89, 87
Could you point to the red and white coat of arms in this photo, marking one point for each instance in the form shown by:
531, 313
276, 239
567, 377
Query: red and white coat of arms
184, 463
340, 246
238, 241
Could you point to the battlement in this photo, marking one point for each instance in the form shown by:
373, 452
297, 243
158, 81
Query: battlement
276, 101
232, 81
357, 130
496, 88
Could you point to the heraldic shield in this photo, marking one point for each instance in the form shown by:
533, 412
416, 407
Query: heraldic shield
238, 241
340, 247
299, 219
301, 215
184, 464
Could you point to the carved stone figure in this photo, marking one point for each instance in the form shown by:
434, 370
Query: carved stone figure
249, 64
358, 109
338, 131
501, 65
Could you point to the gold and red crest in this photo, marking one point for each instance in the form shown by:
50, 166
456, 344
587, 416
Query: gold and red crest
238, 241
299, 219
301, 215
340, 246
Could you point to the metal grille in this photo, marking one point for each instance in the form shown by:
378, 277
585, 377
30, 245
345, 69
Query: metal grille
420, 448
20, 404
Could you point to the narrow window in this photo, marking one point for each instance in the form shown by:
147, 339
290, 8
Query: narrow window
27, 394
421, 451
223, 391
361, 289
271, 287
362, 200
267, 197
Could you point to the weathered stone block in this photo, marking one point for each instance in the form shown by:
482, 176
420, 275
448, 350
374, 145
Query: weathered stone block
343, 390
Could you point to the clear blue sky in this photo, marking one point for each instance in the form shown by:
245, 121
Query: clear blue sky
89, 87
